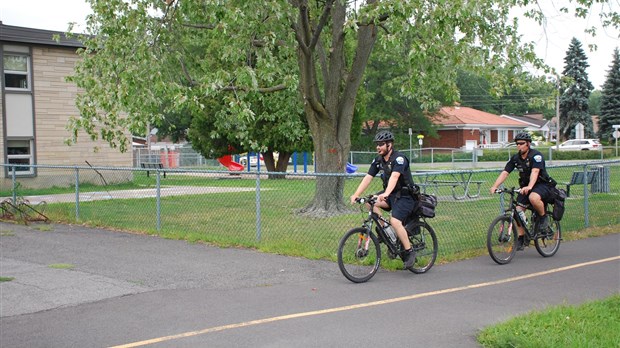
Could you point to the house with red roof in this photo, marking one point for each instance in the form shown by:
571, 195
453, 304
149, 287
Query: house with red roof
460, 126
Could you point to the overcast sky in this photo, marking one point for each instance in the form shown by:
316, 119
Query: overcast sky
551, 42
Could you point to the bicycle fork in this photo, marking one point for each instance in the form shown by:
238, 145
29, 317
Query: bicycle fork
363, 241
505, 232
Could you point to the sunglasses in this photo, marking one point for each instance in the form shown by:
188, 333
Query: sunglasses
520, 143
381, 143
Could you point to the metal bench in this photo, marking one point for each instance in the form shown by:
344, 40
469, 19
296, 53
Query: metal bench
152, 165
577, 179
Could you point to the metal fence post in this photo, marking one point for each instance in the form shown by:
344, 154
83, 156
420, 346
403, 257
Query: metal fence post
14, 183
550, 154
158, 200
258, 217
585, 196
77, 193
306, 162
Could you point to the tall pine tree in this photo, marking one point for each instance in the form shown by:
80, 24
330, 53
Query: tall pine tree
610, 100
574, 99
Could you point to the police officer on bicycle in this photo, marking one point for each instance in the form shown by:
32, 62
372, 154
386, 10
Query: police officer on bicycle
536, 184
397, 184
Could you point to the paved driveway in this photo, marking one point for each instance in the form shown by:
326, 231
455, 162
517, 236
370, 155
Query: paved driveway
120, 289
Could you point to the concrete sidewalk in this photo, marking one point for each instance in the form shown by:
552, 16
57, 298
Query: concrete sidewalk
105, 264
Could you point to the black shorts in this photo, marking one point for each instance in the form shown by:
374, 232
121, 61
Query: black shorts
544, 191
401, 207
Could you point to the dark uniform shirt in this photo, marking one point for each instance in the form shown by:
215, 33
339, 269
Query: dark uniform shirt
397, 162
534, 159
400, 201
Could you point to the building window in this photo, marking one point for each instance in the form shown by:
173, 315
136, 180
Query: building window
16, 71
20, 152
502, 136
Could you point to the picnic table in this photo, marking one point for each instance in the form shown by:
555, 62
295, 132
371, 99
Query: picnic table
461, 182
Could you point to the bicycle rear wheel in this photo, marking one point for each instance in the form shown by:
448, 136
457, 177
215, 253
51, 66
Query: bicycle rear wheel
424, 241
548, 245
502, 239
359, 255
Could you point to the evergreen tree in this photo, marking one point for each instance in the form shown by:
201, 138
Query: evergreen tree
575, 96
610, 100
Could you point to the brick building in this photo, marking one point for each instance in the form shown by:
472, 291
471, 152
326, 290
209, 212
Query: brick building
460, 126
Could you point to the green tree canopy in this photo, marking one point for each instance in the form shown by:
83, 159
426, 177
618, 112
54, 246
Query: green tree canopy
149, 58
529, 94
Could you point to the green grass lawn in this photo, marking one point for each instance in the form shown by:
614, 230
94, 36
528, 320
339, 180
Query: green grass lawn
593, 324
229, 219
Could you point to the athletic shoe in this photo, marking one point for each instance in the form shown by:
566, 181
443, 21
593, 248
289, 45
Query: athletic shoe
409, 258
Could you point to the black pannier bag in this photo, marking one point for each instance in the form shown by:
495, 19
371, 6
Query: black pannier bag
558, 204
426, 205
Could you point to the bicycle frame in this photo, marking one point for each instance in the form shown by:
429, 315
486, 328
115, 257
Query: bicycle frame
530, 231
359, 250
395, 248
500, 242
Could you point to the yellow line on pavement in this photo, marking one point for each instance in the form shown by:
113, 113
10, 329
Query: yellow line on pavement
361, 305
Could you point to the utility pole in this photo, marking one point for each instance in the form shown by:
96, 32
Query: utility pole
410, 146
557, 115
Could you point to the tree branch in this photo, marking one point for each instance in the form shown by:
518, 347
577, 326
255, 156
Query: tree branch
305, 27
260, 90
199, 26
321, 24
186, 73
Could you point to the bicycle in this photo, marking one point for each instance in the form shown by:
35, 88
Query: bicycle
502, 233
359, 250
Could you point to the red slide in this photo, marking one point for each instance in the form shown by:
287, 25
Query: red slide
227, 162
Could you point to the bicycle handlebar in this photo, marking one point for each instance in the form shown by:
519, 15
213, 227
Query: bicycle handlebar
510, 190
368, 199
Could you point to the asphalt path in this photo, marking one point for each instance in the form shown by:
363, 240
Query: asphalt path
128, 290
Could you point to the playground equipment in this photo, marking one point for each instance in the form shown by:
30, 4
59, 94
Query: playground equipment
233, 166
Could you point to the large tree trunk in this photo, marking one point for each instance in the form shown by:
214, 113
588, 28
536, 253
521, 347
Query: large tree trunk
329, 110
330, 151
279, 165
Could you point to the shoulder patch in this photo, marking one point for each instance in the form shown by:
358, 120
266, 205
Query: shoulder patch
400, 160
538, 158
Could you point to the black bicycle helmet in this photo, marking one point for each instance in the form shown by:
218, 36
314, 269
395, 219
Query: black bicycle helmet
384, 136
523, 136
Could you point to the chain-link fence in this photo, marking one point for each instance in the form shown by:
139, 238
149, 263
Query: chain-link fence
462, 155
248, 209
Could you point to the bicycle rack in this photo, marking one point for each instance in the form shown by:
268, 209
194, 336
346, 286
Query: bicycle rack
27, 212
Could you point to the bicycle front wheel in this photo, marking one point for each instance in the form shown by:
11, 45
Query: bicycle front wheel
424, 241
502, 239
359, 255
548, 245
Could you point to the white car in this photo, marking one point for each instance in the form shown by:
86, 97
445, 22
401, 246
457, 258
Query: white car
581, 144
